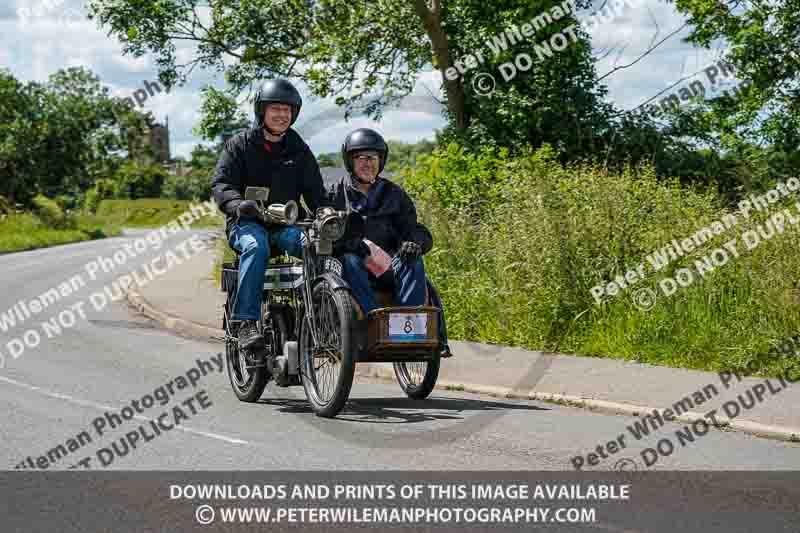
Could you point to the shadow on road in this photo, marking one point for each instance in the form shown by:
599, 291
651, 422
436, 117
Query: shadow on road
404, 410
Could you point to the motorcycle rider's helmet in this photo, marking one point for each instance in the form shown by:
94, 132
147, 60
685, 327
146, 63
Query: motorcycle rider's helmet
277, 91
360, 140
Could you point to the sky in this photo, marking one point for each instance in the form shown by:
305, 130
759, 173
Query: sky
37, 37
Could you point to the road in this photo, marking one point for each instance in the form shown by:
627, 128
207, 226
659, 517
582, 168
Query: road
56, 391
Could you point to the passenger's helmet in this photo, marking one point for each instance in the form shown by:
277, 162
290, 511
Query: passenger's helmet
278, 91
360, 140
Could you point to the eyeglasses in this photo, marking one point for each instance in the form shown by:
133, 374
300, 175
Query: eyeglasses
367, 158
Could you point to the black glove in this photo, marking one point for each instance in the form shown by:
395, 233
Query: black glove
409, 251
248, 208
353, 246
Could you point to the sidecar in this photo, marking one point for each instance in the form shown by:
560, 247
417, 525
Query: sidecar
414, 339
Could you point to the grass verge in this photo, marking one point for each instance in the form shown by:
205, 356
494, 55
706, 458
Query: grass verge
26, 231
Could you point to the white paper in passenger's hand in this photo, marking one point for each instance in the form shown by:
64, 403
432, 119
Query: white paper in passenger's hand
378, 261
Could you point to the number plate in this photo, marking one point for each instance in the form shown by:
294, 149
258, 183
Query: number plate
408, 327
331, 264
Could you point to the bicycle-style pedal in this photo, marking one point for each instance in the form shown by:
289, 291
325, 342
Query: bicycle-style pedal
256, 359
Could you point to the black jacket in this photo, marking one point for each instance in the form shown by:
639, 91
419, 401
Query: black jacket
390, 221
290, 170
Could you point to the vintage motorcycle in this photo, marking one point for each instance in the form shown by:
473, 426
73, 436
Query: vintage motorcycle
316, 332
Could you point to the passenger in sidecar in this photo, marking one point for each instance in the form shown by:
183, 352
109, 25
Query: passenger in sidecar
383, 245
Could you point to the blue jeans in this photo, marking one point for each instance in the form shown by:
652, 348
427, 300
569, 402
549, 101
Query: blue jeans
252, 241
406, 280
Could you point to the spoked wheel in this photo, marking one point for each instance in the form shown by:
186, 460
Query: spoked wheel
248, 383
327, 369
418, 379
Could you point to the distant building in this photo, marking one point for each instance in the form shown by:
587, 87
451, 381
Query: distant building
152, 144
159, 142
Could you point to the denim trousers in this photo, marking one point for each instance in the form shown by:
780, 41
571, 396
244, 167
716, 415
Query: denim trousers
252, 241
406, 280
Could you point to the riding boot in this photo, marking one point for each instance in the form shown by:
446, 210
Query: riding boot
249, 336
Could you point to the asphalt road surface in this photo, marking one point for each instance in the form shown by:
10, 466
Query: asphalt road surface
56, 391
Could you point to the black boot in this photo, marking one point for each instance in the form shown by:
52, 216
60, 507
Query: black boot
249, 336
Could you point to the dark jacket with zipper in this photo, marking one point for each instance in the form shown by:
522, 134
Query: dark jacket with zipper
288, 168
387, 217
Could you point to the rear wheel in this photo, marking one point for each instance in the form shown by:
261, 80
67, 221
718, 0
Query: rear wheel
327, 370
418, 379
247, 383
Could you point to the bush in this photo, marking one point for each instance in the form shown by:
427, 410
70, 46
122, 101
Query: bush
522, 273
51, 214
194, 186
103, 188
5, 206
135, 180
456, 178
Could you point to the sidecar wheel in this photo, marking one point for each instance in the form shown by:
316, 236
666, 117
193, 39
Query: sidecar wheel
418, 379
327, 372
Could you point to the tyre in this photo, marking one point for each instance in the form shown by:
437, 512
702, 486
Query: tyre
327, 371
418, 379
247, 384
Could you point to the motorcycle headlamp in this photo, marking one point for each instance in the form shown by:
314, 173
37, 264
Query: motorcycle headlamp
331, 226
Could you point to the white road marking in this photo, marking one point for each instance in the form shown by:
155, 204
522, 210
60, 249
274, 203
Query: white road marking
95, 405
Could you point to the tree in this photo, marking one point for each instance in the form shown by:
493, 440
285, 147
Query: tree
764, 48
59, 137
362, 53
136, 180
329, 160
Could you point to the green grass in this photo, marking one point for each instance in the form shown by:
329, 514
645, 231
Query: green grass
150, 213
25, 231
520, 270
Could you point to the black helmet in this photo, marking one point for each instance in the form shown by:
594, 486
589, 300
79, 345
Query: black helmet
361, 140
278, 91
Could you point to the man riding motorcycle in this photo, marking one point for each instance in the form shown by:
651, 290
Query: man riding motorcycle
273, 155
382, 212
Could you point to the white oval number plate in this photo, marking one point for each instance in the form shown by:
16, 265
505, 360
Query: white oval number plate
408, 327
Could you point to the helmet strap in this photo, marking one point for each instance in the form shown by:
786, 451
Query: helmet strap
274, 133
358, 179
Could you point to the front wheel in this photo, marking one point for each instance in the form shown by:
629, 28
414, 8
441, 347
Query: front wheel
418, 379
327, 369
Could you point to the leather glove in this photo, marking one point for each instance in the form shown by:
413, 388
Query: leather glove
409, 251
354, 246
248, 209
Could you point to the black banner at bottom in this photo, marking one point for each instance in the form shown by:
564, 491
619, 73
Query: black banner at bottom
629, 502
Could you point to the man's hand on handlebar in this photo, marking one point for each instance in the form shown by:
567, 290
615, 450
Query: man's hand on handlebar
248, 209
